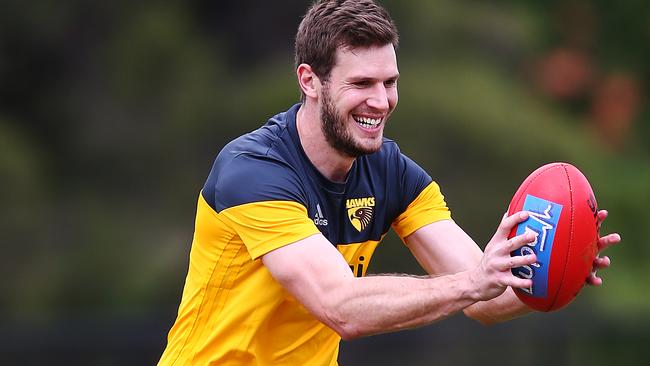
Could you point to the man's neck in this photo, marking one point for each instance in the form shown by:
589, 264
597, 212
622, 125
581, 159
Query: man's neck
327, 160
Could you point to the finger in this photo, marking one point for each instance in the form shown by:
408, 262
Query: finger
516, 282
600, 217
509, 222
608, 240
518, 241
601, 263
518, 261
594, 280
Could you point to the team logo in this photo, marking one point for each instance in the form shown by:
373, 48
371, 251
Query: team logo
360, 211
542, 221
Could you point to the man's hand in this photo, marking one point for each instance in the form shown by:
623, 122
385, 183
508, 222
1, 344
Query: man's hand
493, 274
603, 243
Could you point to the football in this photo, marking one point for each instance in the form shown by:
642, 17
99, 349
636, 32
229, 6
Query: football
563, 210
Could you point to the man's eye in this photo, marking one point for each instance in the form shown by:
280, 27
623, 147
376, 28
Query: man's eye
391, 82
363, 83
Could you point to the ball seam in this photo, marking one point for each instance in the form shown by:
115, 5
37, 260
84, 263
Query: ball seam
532, 179
571, 232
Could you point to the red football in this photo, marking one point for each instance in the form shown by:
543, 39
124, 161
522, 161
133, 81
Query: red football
563, 212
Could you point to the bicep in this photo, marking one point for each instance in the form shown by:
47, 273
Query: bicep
311, 270
443, 247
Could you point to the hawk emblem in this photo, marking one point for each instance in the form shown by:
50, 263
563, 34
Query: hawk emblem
360, 217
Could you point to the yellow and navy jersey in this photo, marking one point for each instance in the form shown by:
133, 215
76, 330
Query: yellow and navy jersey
261, 194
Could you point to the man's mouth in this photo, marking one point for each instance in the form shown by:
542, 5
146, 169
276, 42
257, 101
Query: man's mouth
367, 122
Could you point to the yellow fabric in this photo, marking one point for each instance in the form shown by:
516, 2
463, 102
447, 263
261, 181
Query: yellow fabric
232, 311
428, 207
267, 225
358, 255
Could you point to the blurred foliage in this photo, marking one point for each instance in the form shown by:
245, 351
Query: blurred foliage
111, 115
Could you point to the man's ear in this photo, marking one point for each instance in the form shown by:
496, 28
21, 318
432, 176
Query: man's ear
308, 80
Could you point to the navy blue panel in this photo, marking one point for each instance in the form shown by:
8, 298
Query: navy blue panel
270, 164
249, 178
413, 179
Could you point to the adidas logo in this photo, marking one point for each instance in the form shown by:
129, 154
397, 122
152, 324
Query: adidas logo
319, 219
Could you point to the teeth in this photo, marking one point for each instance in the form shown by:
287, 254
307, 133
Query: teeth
368, 122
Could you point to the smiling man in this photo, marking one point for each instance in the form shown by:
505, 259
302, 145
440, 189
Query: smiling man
290, 215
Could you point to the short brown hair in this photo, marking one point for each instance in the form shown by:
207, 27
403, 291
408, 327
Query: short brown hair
330, 24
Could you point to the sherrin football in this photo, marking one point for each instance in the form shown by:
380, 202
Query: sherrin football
562, 215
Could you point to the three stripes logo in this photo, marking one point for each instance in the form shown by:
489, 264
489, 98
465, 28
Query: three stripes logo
319, 219
360, 211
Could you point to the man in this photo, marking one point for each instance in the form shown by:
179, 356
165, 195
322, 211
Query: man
291, 213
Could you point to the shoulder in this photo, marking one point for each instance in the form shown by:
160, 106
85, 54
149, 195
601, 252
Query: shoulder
404, 177
258, 166
393, 161
389, 148
249, 178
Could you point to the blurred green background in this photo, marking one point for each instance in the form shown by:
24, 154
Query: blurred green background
111, 114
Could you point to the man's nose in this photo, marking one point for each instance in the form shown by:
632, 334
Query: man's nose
378, 100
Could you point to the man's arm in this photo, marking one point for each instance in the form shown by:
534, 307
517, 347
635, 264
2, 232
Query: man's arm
443, 247
316, 274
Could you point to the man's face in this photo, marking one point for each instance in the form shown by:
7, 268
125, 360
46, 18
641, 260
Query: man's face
357, 100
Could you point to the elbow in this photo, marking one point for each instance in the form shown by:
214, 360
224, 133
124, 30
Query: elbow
348, 334
339, 311
346, 326
479, 316
342, 325
486, 322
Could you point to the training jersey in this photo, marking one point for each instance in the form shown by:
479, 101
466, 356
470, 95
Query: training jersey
261, 194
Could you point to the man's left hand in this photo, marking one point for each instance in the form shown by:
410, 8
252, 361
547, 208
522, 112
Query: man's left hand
603, 243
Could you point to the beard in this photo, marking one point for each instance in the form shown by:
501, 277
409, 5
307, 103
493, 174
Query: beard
337, 134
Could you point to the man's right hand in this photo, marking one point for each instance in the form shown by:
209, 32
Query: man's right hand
493, 274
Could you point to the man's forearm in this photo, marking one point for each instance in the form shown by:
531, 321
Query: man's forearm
379, 304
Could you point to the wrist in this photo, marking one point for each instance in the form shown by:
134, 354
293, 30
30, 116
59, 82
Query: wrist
468, 285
